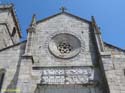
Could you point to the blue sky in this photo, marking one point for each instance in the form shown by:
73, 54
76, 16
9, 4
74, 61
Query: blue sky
109, 14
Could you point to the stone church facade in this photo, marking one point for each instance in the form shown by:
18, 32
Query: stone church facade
62, 54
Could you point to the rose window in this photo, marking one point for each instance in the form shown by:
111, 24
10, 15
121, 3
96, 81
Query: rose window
64, 47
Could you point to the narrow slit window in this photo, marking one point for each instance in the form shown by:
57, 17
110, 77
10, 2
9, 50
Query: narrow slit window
124, 72
14, 32
2, 74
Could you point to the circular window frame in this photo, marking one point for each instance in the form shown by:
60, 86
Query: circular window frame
53, 47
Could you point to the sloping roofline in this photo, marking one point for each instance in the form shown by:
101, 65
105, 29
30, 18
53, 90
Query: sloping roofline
114, 46
79, 18
13, 45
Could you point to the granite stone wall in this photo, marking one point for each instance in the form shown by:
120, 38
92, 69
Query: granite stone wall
43, 58
10, 60
114, 67
28, 73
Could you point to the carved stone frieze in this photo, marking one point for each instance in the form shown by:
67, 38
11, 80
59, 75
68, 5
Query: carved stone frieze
67, 75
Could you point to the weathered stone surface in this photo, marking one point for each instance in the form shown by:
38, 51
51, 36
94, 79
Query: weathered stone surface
7, 25
10, 60
32, 67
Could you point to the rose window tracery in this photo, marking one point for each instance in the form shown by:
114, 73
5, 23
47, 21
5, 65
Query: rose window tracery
64, 47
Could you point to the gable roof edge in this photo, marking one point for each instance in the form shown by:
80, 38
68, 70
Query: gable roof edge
82, 19
123, 50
